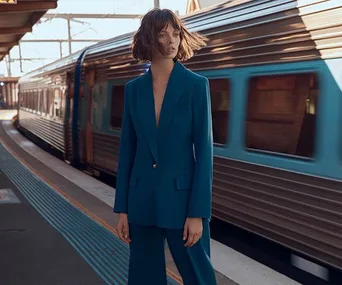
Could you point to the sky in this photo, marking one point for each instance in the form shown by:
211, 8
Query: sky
85, 29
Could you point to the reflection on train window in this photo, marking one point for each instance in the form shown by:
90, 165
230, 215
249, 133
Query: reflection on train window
118, 94
220, 107
281, 114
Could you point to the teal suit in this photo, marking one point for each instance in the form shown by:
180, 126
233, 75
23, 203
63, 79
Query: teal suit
165, 174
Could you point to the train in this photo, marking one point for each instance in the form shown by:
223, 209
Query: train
274, 70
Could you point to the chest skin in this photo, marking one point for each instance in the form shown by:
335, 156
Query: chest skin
159, 89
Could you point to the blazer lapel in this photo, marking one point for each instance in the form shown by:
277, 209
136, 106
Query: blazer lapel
172, 95
146, 112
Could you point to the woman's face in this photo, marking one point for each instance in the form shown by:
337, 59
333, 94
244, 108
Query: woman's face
169, 40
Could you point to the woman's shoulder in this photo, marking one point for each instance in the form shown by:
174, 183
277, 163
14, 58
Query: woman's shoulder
195, 78
131, 83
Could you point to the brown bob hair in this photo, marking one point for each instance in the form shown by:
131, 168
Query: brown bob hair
146, 38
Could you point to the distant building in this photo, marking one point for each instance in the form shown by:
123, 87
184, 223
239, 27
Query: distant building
195, 5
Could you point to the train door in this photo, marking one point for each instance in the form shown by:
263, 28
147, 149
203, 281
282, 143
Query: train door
88, 141
69, 94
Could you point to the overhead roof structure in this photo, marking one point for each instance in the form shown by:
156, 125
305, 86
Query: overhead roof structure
18, 19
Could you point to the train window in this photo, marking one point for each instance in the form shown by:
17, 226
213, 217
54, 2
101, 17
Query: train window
35, 101
46, 102
63, 98
37, 95
26, 100
30, 100
27, 104
220, 107
281, 114
118, 94
22, 99
41, 101
57, 103
51, 106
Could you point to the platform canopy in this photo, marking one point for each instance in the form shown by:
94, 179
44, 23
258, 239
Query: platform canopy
17, 17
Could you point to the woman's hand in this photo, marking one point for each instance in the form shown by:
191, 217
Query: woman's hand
123, 228
193, 229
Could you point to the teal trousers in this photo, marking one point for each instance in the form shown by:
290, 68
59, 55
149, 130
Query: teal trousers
147, 256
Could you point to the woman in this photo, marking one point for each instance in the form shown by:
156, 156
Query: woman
164, 180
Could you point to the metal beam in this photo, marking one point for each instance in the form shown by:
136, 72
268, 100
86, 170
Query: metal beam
92, 16
28, 6
8, 44
9, 79
9, 69
156, 4
69, 37
61, 40
15, 31
60, 50
31, 58
35, 18
20, 59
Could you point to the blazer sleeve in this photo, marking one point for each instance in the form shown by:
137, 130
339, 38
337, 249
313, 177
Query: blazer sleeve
126, 156
201, 192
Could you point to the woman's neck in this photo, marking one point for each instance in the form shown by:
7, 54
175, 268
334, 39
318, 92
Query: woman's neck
161, 69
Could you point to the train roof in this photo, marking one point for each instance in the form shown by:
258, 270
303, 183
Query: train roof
64, 62
237, 30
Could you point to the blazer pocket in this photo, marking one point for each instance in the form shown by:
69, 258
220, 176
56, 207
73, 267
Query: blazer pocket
184, 182
133, 181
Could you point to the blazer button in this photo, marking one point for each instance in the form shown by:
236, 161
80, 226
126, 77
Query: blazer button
154, 165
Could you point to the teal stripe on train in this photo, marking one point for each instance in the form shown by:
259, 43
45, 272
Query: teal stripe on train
103, 251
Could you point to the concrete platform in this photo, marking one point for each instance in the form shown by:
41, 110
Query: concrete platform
47, 236
32, 250
97, 199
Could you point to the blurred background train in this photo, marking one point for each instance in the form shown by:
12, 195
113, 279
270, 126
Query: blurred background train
275, 79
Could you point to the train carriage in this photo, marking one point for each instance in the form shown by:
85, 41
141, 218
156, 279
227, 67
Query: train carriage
274, 69
46, 103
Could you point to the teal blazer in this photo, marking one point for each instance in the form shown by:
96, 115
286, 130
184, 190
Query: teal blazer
165, 172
